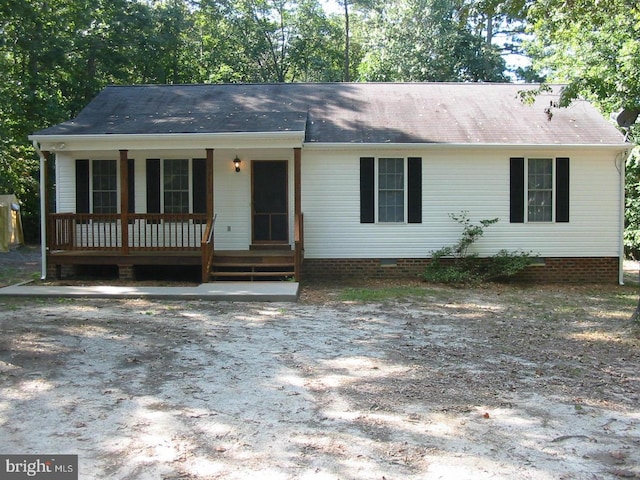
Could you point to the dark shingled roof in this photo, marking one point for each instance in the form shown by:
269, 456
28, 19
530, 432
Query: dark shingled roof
345, 113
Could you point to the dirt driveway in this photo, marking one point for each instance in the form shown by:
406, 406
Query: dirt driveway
500, 382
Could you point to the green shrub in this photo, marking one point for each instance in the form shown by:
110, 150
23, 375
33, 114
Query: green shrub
505, 264
455, 265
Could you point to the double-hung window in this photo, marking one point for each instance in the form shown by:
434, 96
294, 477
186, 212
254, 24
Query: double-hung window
539, 190
176, 185
390, 190
96, 186
104, 176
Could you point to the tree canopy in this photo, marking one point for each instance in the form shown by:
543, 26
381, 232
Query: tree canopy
591, 46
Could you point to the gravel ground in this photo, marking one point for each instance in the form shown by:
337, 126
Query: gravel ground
19, 265
495, 382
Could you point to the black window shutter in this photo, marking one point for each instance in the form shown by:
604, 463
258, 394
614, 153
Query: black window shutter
82, 186
367, 192
153, 185
562, 189
131, 187
414, 194
199, 185
516, 191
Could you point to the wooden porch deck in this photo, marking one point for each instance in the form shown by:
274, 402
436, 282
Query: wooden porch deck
101, 257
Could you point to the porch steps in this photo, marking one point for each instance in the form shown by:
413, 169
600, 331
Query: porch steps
253, 265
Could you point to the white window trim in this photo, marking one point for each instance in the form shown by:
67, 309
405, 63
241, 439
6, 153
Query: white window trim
190, 182
405, 188
118, 187
553, 190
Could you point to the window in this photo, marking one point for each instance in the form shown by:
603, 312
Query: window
176, 186
390, 190
97, 186
104, 178
539, 190
173, 188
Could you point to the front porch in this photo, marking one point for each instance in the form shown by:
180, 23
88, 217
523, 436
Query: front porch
128, 239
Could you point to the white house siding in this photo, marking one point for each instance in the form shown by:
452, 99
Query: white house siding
471, 179
65, 183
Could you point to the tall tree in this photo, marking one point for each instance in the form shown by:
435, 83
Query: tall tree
502, 24
362, 6
316, 53
347, 32
281, 40
32, 69
493, 17
428, 40
591, 46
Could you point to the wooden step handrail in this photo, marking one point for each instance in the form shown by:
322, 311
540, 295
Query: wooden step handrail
207, 248
298, 245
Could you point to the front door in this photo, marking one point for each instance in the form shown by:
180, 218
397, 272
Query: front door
269, 202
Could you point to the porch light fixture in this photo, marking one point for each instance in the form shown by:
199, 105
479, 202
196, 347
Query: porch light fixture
236, 163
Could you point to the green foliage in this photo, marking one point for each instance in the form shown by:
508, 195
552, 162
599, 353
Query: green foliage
456, 265
428, 40
505, 264
591, 46
470, 233
632, 204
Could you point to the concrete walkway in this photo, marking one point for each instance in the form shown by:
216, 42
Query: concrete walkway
218, 291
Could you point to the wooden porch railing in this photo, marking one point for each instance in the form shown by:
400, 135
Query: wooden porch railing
298, 245
207, 249
145, 231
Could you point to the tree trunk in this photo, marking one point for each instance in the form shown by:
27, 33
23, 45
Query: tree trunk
489, 28
347, 77
636, 315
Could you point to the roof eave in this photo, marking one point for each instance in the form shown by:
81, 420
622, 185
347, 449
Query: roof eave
285, 139
169, 141
443, 145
